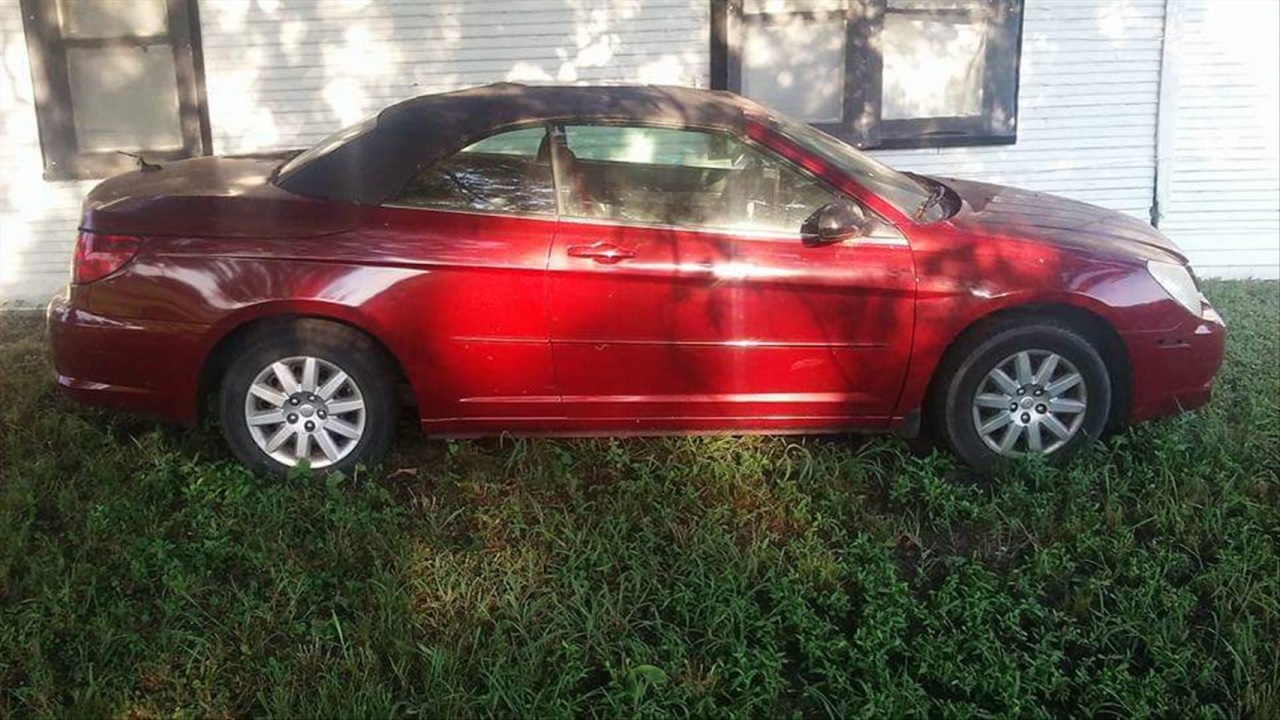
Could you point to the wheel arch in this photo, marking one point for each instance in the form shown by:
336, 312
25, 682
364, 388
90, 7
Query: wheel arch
234, 332
1095, 328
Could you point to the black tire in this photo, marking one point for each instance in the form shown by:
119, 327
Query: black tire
353, 352
980, 351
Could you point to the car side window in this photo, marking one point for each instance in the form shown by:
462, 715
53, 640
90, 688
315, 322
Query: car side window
507, 173
681, 177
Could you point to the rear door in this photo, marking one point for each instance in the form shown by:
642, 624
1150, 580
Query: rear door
481, 222
682, 298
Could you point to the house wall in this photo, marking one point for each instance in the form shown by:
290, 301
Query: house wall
284, 73
37, 218
1089, 82
1220, 194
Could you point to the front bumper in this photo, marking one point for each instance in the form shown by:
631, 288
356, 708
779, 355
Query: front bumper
1173, 370
134, 365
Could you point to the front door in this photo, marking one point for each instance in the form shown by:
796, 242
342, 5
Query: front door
682, 298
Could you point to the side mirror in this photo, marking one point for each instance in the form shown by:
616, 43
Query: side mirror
834, 222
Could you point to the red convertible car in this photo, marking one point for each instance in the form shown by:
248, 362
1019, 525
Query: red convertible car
617, 260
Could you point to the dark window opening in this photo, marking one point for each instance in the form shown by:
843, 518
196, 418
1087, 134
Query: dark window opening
877, 73
115, 76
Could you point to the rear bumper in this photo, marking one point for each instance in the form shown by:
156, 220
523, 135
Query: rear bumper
1173, 370
133, 365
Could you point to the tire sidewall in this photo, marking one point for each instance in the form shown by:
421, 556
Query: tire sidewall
959, 427
354, 358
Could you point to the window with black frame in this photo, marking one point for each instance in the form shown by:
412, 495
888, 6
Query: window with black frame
113, 77
877, 73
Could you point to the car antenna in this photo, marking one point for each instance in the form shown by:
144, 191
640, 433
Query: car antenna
143, 165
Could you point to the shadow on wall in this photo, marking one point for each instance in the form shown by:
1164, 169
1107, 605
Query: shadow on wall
285, 74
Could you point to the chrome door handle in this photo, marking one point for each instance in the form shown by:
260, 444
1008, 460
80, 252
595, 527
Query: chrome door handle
601, 252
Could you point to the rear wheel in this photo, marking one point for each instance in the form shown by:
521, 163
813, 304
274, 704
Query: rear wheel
1023, 387
311, 391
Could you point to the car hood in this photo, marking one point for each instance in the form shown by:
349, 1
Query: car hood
208, 197
1002, 211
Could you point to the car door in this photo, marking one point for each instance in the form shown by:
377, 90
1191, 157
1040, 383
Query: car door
682, 298
480, 224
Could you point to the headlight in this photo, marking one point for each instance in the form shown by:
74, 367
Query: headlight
1178, 282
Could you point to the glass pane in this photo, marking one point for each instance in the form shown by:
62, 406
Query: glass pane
684, 178
936, 5
525, 142
501, 181
796, 65
124, 98
656, 146
933, 65
112, 18
754, 7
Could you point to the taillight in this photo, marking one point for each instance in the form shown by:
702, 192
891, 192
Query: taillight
97, 256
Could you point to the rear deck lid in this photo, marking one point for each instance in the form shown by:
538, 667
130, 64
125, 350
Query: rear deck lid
223, 197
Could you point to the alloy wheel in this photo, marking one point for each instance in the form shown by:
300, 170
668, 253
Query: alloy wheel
307, 408
1031, 403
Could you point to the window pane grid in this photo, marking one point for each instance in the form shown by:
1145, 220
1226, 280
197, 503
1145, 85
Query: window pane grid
115, 75
915, 73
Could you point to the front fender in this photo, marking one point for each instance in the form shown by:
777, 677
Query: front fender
1119, 294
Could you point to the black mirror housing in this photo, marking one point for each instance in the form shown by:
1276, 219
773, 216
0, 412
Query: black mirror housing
834, 222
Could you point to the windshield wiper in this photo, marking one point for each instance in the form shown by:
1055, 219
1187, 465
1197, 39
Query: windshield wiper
937, 192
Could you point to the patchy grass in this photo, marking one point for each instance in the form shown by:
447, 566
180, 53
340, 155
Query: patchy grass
143, 573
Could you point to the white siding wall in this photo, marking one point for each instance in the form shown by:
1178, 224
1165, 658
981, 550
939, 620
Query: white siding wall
37, 219
1222, 203
285, 74
1088, 89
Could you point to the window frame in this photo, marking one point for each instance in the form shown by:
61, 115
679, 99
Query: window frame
864, 75
55, 107
546, 127
552, 127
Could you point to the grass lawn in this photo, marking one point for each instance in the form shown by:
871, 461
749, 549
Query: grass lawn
143, 573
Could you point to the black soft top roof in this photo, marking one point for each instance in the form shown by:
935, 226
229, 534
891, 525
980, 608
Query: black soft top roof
417, 132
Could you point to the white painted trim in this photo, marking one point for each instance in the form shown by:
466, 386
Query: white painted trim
1166, 108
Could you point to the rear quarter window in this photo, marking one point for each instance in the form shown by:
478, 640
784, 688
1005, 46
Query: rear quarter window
500, 175
524, 143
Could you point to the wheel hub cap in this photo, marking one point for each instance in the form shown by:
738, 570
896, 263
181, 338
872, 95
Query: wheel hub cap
305, 408
1032, 402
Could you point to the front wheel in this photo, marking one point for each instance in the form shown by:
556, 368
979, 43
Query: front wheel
1023, 387
311, 391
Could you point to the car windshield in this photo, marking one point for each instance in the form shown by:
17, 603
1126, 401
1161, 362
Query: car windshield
899, 189
328, 145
